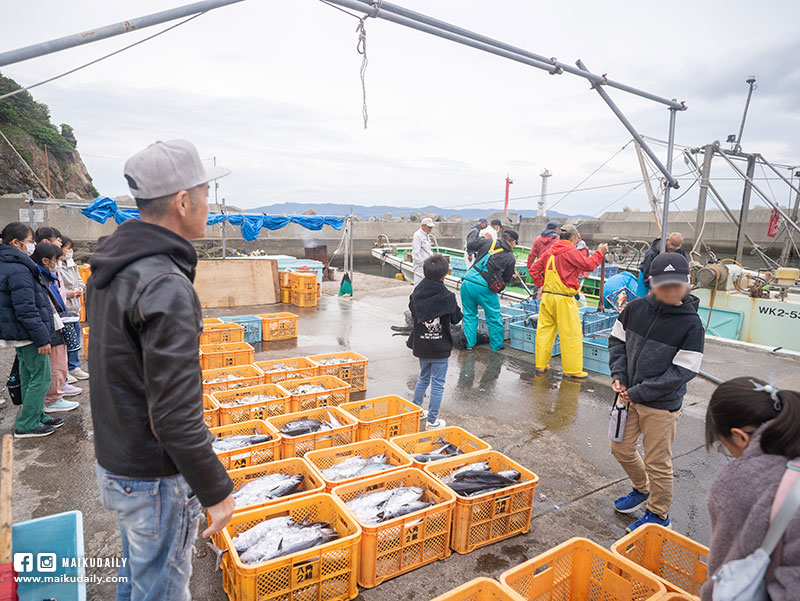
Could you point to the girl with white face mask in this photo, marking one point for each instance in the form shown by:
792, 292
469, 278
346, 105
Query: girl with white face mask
74, 289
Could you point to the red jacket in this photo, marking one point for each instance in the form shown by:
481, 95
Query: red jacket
541, 244
569, 262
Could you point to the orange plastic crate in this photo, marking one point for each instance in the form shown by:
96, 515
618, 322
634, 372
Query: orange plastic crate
278, 326
221, 333
581, 569
337, 393
286, 296
285, 279
323, 573
256, 454
325, 458
298, 446
678, 597
487, 518
85, 336
354, 371
311, 485
210, 411
480, 589
214, 356
304, 299
82, 315
246, 375
255, 409
295, 367
425, 442
384, 416
209, 320
84, 271
303, 282
678, 561
408, 542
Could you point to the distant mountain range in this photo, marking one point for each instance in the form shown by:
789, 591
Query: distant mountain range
297, 208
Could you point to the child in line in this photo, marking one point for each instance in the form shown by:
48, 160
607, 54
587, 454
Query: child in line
759, 426
655, 349
74, 289
46, 257
433, 308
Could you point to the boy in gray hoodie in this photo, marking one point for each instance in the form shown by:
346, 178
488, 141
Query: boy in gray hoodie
655, 348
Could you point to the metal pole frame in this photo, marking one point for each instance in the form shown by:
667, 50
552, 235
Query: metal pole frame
108, 31
760, 192
670, 150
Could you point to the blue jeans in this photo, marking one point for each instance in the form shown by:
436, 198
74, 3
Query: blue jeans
158, 522
433, 372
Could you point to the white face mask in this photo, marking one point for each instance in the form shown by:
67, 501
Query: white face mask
29, 248
67, 255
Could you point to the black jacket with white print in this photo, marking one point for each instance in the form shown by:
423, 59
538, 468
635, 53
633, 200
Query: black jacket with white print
434, 308
656, 349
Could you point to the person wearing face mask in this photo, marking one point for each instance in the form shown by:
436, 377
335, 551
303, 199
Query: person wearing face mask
46, 257
49, 234
73, 289
759, 426
26, 324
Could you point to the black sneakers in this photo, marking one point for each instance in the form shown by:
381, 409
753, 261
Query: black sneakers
56, 422
43, 430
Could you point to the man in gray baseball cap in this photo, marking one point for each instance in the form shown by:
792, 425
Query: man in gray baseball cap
155, 465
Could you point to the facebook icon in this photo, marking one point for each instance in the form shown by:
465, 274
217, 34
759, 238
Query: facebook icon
23, 562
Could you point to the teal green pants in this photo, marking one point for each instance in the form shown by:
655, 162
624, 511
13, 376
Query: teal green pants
34, 379
472, 296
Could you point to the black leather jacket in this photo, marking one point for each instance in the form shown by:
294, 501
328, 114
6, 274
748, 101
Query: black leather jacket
146, 388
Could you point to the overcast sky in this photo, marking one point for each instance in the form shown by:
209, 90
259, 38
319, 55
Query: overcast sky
272, 90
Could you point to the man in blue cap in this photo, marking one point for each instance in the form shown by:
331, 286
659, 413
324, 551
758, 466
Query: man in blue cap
545, 239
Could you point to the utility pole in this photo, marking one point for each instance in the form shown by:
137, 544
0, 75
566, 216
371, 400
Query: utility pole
224, 242
745, 210
705, 176
542, 212
752, 83
31, 214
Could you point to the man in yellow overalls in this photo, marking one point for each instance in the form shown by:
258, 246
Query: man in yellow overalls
556, 275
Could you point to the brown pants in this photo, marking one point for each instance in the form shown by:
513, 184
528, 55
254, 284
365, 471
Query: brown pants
652, 476
58, 369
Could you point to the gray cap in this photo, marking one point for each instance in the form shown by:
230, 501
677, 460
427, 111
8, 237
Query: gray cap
428, 222
569, 228
165, 168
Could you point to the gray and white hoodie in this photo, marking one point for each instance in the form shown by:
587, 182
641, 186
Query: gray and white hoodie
655, 349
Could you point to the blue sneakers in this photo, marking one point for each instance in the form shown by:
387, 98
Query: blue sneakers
631, 502
649, 518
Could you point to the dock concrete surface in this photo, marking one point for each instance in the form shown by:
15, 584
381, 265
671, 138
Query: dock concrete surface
556, 428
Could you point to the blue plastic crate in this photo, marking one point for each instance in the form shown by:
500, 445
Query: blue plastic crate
611, 270
458, 263
251, 324
60, 535
458, 273
531, 305
509, 315
523, 338
595, 352
593, 321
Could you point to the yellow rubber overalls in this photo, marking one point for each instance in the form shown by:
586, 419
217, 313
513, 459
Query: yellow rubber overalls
558, 314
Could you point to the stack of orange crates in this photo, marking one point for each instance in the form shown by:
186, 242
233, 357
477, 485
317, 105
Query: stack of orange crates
278, 370
305, 289
232, 411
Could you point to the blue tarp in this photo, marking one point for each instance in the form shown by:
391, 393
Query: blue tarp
251, 225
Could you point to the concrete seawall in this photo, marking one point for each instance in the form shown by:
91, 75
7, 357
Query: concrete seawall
718, 233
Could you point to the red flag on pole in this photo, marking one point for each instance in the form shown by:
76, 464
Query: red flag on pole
509, 181
774, 223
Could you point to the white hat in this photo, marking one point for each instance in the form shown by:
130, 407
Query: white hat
165, 168
428, 221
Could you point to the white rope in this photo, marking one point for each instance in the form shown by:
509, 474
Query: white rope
46, 189
361, 48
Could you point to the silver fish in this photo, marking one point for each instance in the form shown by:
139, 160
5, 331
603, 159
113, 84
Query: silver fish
356, 466
238, 441
278, 537
379, 506
481, 466
265, 488
222, 379
309, 389
247, 400
447, 449
332, 361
